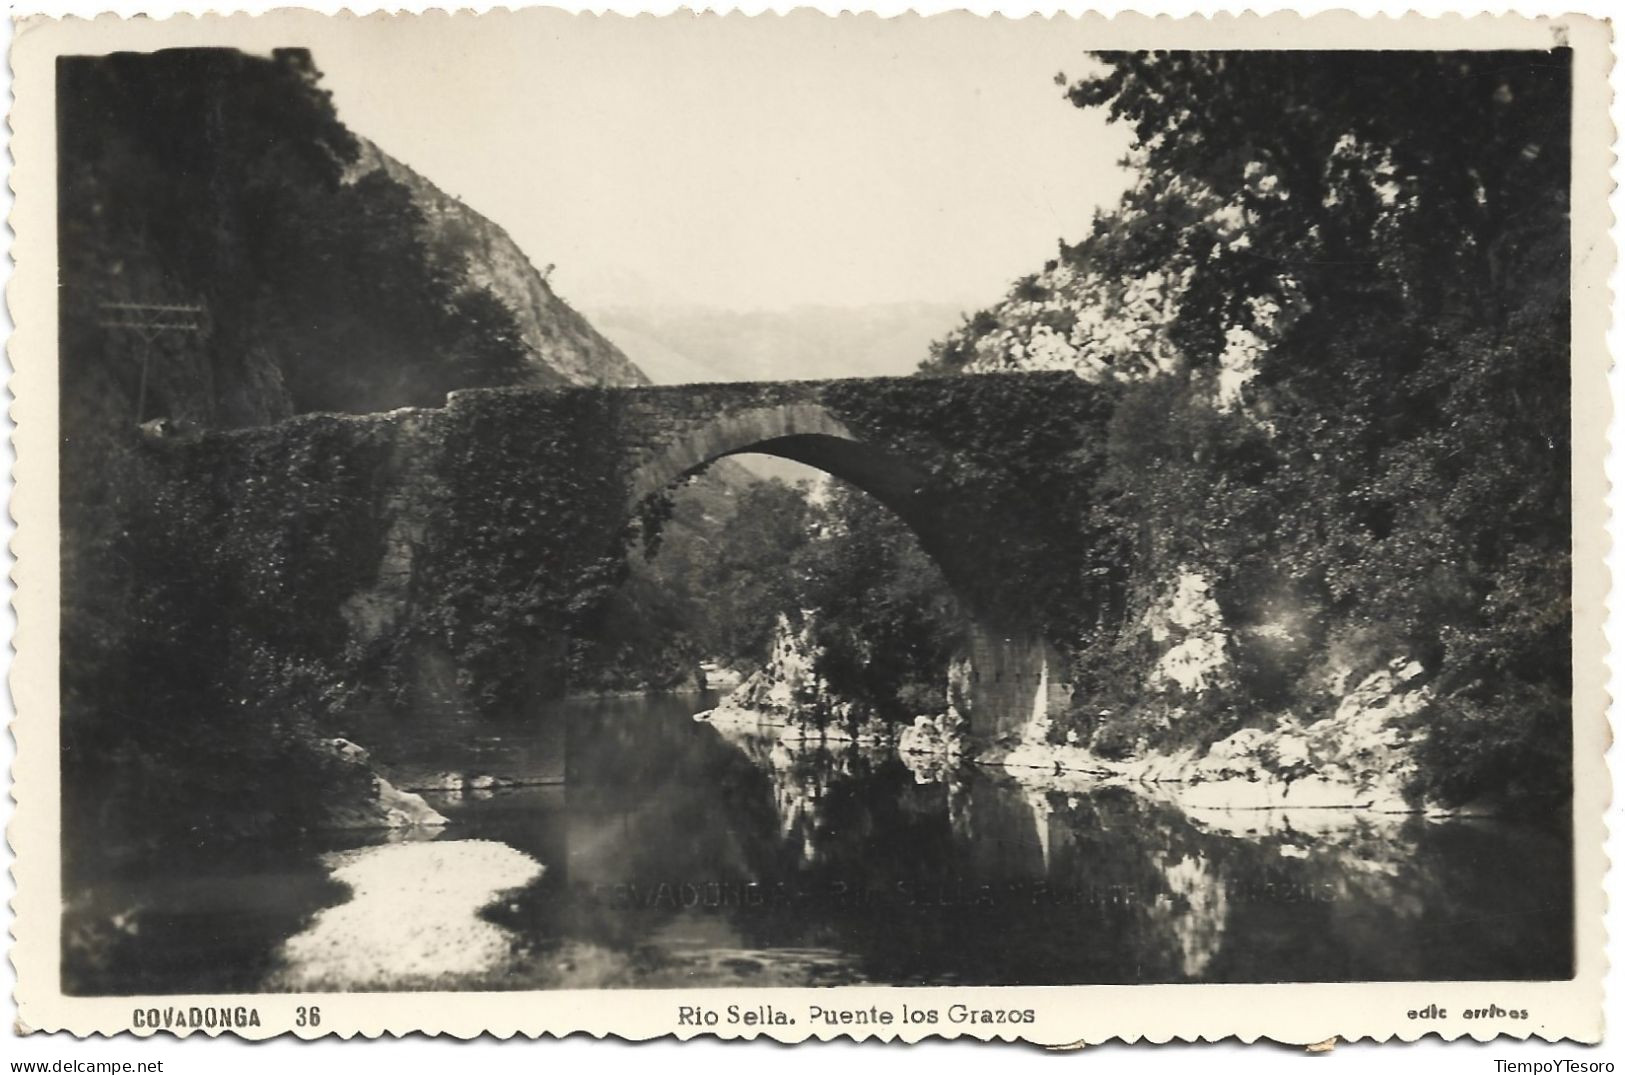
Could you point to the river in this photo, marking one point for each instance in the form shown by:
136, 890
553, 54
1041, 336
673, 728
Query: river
678, 853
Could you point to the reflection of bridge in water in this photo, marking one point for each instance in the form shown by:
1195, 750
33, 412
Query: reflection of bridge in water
1011, 850
1177, 888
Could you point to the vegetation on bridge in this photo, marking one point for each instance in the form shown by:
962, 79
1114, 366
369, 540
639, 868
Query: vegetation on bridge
1001, 532
1017, 459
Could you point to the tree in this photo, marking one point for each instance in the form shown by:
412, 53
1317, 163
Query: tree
1339, 288
1403, 227
884, 618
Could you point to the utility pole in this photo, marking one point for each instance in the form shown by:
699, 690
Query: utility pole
149, 321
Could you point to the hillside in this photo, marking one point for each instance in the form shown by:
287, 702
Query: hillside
231, 255
1341, 451
560, 343
316, 273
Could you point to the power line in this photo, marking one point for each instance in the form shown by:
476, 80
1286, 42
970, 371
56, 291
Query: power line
149, 321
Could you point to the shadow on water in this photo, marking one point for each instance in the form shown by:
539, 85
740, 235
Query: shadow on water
680, 853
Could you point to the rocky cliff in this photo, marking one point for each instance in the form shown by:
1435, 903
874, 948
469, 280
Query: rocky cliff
231, 255
1362, 755
560, 344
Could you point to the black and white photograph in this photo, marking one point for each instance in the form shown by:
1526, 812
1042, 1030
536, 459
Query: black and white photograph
706, 503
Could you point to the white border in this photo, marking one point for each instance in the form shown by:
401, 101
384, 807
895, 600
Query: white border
1223, 1014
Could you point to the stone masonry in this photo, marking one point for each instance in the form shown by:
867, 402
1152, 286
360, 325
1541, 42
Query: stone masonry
660, 434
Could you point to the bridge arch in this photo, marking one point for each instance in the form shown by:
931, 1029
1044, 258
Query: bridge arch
804, 432
1010, 678
808, 433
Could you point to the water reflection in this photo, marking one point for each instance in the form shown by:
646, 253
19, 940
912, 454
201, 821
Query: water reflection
685, 854
932, 874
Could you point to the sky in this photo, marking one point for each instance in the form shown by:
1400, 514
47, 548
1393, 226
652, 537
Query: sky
747, 163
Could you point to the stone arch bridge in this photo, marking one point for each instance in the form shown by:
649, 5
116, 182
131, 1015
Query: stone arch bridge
439, 550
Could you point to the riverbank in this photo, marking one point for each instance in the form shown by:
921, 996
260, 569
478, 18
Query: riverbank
632, 692
1228, 777
870, 731
368, 800
1359, 765
1361, 756
704, 854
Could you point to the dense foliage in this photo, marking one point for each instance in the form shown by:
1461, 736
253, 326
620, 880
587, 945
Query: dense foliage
1011, 463
523, 553
705, 583
885, 622
732, 560
1339, 290
195, 674
214, 178
202, 631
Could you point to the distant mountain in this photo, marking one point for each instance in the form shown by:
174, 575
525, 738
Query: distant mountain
691, 344
683, 344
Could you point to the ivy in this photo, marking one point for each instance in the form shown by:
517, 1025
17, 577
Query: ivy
1012, 464
530, 541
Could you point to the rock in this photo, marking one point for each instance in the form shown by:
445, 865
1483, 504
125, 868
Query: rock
730, 715
437, 782
388, 807
348, 751
787, 686
1361, 756
1291, 751
405, 810
1194, 664
1359, 759
944, 735
1192, 625
714, 675
382, 805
